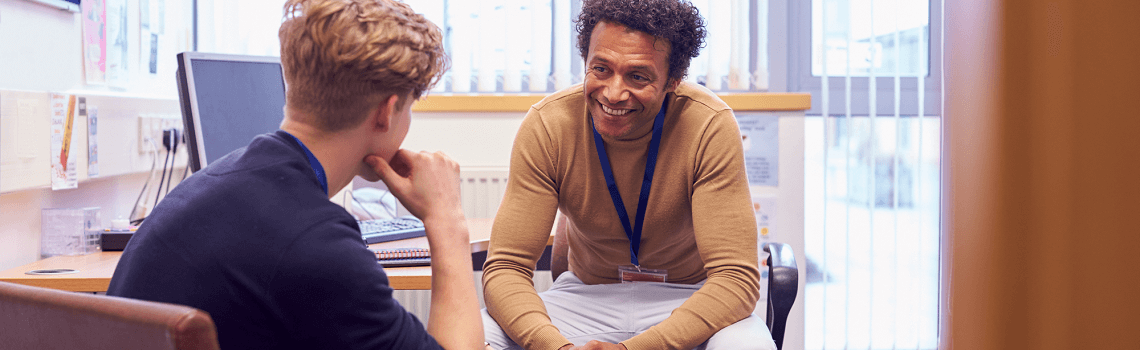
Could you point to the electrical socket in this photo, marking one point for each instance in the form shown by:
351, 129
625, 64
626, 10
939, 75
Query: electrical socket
152, 126
144, 131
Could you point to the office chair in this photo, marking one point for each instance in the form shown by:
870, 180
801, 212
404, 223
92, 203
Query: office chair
783, 275
40, 318
783, 284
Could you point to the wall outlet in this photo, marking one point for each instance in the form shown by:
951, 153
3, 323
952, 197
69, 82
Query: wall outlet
145, 130
152, 126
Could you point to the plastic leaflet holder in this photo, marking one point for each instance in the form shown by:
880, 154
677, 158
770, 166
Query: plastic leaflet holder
69, 231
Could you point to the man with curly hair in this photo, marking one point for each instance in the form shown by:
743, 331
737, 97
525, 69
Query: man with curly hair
253, 239
648, 172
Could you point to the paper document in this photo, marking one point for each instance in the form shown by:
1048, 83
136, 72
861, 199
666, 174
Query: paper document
760, 135
63, 172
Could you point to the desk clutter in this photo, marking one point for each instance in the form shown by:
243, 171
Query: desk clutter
399, 257
386, 230
116, 239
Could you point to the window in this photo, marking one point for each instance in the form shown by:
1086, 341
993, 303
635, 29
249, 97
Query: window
863, 46
505, 46
872, 170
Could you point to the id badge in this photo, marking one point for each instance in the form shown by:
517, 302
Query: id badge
632, 274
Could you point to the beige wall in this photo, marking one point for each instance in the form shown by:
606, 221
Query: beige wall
1043, 174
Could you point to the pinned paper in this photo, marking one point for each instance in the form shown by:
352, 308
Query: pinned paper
764, 207
64, 174
92, 141
94, 41
760, 134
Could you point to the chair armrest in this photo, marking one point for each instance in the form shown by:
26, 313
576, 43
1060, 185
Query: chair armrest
479, 250
783, 284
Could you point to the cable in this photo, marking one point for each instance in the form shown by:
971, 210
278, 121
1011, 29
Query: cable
153, 164
174, 153
161, 178
185, 171
366, 211
392, 210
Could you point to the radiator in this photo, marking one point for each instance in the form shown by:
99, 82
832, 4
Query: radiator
481, 192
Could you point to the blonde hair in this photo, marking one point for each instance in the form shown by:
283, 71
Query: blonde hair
342, 57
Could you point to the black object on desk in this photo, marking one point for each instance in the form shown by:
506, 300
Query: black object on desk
115, 240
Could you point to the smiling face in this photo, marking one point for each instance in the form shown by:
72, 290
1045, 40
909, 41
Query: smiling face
626, 80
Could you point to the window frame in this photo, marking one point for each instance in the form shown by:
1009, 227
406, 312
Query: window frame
800, 76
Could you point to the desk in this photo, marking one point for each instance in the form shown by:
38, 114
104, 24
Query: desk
95, 270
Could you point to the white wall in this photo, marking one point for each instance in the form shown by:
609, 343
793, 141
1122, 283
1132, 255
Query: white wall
42, 53
475, 140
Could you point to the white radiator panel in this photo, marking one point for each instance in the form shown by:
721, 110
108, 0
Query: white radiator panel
481, 192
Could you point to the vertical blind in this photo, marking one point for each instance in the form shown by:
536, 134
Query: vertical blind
517, 46
871, 178
506, 46
872, 186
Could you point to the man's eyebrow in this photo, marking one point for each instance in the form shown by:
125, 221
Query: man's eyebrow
644, 68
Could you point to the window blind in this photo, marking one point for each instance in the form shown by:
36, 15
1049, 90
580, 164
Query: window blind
872, 188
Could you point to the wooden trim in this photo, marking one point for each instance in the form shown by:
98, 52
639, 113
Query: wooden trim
763, 101
476, 103
768, 101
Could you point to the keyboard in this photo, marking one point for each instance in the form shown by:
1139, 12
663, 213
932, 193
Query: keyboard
376, 231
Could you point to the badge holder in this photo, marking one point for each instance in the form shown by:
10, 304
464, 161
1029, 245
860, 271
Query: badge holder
632, 274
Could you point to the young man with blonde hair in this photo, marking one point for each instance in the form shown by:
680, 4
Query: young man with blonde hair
253, 238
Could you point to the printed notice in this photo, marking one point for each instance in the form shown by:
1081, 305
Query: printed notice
760, 135
63, 172
95, 41
118, 45
92, 141
765, 209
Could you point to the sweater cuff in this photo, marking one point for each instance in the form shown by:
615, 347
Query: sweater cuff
548, 338
645, 340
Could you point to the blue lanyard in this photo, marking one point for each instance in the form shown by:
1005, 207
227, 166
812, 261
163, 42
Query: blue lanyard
315, 164
633, 234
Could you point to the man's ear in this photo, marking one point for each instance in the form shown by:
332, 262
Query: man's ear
382, 115
672, 84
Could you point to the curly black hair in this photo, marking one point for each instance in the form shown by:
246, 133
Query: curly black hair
674, 20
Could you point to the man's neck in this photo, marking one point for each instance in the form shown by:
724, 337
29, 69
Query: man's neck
333, 150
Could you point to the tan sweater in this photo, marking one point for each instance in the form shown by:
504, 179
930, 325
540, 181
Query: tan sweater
698, 224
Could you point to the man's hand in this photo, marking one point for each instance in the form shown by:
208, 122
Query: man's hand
428, 185
425, 183
595, 345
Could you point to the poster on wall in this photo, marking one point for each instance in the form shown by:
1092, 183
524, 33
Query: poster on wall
94, 41
64, 109
760, 134
118, 44
92, 141
764, 207
149, 23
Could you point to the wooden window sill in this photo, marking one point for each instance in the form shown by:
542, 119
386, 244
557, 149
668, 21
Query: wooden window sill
763, 101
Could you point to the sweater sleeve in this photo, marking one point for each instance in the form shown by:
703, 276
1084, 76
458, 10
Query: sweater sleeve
725, 230
518, 237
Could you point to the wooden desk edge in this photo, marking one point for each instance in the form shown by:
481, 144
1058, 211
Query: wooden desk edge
409, 278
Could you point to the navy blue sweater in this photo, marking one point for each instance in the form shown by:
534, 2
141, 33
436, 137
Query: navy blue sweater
253, 240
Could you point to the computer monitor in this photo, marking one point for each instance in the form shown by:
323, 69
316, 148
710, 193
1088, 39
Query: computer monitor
227, 100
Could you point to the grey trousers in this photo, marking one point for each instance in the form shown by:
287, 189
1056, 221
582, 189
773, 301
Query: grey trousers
616, 312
